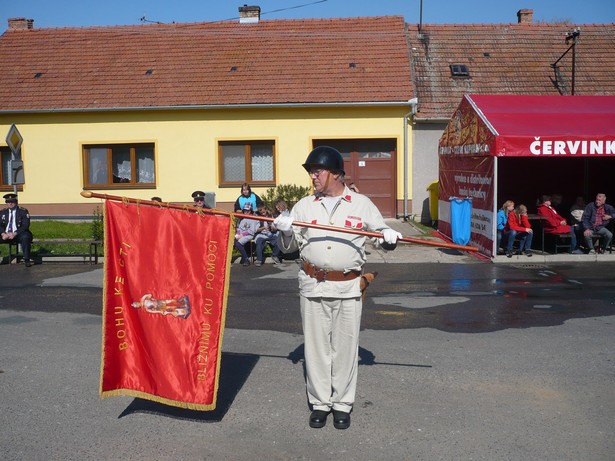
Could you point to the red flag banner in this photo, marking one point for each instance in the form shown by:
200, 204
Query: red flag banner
164, 303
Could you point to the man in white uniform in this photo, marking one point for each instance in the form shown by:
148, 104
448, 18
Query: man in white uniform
330, 282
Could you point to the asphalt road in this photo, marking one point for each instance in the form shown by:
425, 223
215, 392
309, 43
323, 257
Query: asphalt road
465, 361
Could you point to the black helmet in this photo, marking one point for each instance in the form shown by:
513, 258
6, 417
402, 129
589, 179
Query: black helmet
326, 157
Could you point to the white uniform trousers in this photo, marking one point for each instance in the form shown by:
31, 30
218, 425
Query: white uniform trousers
331, 333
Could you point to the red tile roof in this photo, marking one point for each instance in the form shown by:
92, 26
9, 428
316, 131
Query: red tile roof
223, 63
507, 59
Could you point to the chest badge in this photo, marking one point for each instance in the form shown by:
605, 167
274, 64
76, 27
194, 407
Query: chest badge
353, 222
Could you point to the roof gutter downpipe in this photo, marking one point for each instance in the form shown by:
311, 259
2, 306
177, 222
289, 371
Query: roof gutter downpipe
413, 102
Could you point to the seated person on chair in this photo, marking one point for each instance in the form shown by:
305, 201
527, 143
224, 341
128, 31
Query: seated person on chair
266, 233
199, 199
245, 232
281, 208
519, 226
596, 217
576, 218
576, 211
556, 224
557, 204
247, 196
502, 237
15, 223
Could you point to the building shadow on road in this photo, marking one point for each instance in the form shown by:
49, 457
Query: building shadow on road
234, 371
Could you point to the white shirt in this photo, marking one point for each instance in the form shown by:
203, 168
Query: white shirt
11, 227
329, 249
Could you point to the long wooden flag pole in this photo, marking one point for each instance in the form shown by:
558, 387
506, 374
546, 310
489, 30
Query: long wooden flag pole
193, 209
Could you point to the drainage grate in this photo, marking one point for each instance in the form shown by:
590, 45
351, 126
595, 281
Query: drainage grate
529, 266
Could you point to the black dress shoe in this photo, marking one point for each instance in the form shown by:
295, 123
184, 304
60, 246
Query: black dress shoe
28, 263
318, 418
341, 420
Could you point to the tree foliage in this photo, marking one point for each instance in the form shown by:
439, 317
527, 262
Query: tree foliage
290, 193
98, 225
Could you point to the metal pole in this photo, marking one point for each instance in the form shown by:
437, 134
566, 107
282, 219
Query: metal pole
406, 166
193, 209
413, 102
421, 18
13, 178
574, 62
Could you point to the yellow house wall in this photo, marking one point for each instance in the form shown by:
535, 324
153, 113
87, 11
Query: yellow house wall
186, 155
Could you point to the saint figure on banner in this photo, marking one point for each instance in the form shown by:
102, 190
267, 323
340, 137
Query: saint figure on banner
178, 308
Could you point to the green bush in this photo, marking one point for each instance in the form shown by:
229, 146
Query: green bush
290, 193
98, 225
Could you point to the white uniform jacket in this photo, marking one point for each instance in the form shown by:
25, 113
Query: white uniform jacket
329, 249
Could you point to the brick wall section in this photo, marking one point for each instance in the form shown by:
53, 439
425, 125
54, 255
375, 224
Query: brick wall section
525, 16
20, 23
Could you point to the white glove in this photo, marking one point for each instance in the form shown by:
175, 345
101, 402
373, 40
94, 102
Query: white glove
390, 236
284, 224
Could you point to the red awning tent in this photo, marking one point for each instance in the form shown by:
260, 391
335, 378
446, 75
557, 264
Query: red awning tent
509, 147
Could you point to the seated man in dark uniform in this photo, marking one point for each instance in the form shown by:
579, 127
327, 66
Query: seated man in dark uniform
199, 199
15, 226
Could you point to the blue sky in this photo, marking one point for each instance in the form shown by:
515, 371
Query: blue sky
62, 13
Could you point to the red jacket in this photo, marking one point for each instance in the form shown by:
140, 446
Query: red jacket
553, 222
517, 223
